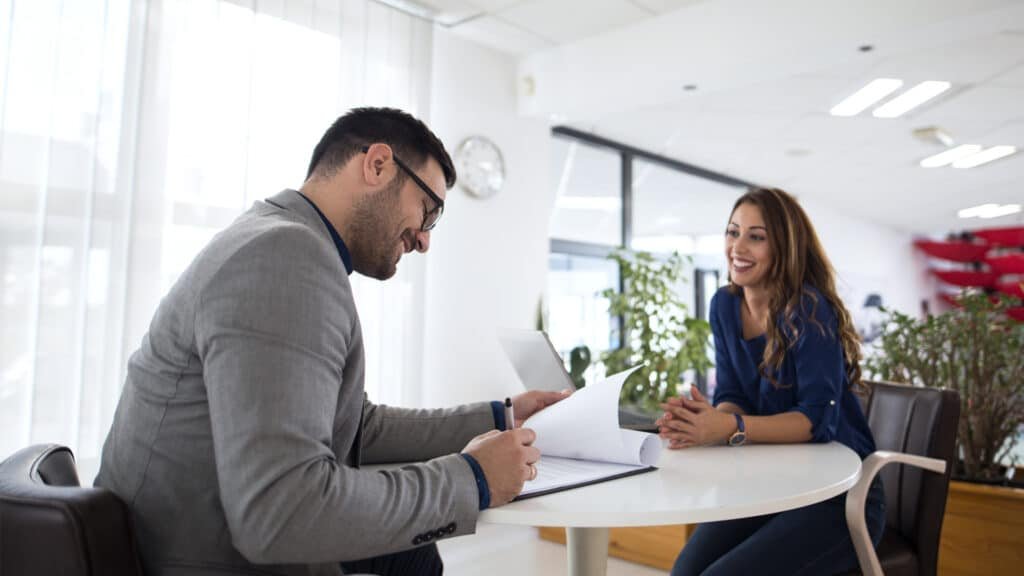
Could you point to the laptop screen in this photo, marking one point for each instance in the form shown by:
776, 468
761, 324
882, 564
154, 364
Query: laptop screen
535, 360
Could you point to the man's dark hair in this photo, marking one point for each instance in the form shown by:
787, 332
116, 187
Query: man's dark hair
409, 138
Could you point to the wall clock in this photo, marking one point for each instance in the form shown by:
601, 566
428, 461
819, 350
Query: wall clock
480, 166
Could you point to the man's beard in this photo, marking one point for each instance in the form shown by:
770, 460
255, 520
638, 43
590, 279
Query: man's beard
375, 232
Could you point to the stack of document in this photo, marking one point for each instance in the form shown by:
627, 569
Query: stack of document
581, 443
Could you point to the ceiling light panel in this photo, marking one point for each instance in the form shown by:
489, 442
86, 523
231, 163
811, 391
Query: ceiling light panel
985, 156
989, 211
911, 99
862, 99
950, 156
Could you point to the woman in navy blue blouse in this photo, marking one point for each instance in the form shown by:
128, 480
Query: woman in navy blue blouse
787, 363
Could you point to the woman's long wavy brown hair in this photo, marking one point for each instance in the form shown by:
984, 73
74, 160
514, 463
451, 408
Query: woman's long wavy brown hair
797, 259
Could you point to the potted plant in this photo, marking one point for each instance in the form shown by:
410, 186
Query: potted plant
657, 332
977, 350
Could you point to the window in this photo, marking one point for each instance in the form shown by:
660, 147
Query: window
577, 313
611, 196
588, 198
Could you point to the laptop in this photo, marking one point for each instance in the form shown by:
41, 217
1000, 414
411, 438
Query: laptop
540, 367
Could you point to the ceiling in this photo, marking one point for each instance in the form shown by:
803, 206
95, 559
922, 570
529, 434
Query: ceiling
744, 87
524, 26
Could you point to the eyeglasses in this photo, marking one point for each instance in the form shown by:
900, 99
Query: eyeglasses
431, 217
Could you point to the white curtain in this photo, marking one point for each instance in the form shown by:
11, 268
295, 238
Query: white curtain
131, 131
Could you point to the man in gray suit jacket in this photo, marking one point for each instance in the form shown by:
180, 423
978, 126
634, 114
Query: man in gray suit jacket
242, 425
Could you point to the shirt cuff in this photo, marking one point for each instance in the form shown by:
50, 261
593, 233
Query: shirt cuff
498, 409
481, 481
823, 420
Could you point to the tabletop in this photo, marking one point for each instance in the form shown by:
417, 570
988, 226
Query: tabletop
697, 485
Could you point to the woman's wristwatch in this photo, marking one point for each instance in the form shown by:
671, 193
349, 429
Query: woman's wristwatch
740, 435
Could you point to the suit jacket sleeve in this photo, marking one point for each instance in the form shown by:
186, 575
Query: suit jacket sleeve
272, 327
405, 435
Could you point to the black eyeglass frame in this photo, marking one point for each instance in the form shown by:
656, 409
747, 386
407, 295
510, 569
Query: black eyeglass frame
428, 222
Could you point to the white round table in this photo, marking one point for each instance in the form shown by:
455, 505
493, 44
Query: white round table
690, 486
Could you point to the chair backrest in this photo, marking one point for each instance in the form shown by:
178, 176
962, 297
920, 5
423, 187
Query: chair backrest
51, 525
920, 421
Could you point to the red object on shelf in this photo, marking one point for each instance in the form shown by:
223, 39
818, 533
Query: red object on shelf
1016, 313
1012, 288
955, 251
966, 278
1008, 264
1002, 236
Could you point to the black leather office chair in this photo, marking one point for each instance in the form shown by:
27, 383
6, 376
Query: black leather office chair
913, 428
51, 525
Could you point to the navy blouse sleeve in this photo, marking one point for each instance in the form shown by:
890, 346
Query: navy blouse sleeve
727, 384
820, 369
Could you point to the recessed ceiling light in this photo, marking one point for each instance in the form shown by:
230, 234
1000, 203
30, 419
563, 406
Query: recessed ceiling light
861, 99
985, 156
911, 99
989, 211
950, 156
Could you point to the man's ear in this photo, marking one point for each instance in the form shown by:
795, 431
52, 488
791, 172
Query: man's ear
377, 164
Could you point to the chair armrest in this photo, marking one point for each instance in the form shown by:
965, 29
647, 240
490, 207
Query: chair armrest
856, 499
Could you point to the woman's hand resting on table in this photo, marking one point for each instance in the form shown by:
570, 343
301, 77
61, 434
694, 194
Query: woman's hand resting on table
694, 422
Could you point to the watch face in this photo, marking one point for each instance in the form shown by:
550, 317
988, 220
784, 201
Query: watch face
737, 438
480, 167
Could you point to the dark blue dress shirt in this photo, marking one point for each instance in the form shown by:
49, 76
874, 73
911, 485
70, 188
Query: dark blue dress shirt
812, 378
346, 258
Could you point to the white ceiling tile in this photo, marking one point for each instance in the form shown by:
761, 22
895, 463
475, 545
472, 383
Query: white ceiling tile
975, 111
500, 35
664, 6
493, 6
1012, 77
1008, 133
444, 11
570, 20
969, 61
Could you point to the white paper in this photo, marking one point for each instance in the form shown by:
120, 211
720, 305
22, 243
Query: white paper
554, 473
580, 440
585, 426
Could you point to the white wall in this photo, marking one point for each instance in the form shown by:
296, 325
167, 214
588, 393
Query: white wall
488, 260
871, 257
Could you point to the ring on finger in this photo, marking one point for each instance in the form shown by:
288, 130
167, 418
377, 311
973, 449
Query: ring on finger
533, 472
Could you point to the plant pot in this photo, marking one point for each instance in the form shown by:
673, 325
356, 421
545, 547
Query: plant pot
983, 530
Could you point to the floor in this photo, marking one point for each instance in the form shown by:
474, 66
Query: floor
517, 551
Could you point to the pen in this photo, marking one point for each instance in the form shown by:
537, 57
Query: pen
510, 416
